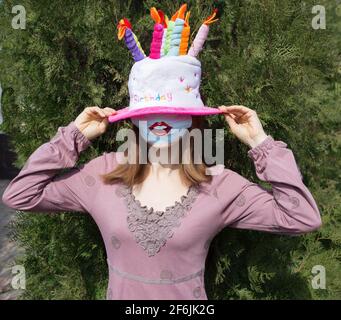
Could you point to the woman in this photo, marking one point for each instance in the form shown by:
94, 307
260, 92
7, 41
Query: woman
157, 223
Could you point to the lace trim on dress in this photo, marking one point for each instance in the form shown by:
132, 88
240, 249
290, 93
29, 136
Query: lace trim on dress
152, 228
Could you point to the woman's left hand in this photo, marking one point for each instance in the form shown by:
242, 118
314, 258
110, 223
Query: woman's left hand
244, 124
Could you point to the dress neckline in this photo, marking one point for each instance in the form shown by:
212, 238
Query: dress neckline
152, 228
188, 197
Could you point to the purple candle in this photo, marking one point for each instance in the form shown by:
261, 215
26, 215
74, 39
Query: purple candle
133, 46
124, 31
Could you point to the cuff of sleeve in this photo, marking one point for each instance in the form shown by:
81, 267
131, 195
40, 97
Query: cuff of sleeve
259, 154
256, 152
82, 141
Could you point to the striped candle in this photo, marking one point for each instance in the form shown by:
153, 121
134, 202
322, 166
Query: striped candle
168, 36
124, 31
159, 17
133, 45
155, 48
176, 37
185, 36
138, 44
202, 34
163, 41
199, 40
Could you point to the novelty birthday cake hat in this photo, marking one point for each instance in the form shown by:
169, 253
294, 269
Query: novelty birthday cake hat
168, 80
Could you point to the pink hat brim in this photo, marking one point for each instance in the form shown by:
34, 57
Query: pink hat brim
131, 113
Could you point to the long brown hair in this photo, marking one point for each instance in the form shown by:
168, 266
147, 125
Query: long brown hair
135, 173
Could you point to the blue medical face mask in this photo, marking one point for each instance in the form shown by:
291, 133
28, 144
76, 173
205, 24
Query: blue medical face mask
162, 129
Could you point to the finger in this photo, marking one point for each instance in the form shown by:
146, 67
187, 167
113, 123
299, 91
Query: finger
244, 116
223, 108
98, 111
239, 108
236, 113
232, 123
233, 116
109, 111
103, 125
92, 109
239, 119
229, 110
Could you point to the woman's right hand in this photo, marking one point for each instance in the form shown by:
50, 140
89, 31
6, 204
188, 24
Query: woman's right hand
93, 121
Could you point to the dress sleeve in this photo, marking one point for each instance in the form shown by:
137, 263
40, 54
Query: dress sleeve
289, 208
37, 187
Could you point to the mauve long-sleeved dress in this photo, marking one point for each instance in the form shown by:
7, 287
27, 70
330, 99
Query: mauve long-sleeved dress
161, 254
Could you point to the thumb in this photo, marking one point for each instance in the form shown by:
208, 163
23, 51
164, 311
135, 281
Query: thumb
230, 121
104, 124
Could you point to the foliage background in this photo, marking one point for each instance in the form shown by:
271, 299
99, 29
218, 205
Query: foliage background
263, 54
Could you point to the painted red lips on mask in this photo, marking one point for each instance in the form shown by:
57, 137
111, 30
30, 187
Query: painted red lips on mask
160, 128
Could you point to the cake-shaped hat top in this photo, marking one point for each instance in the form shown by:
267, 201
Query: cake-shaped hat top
168, 80
170, 37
